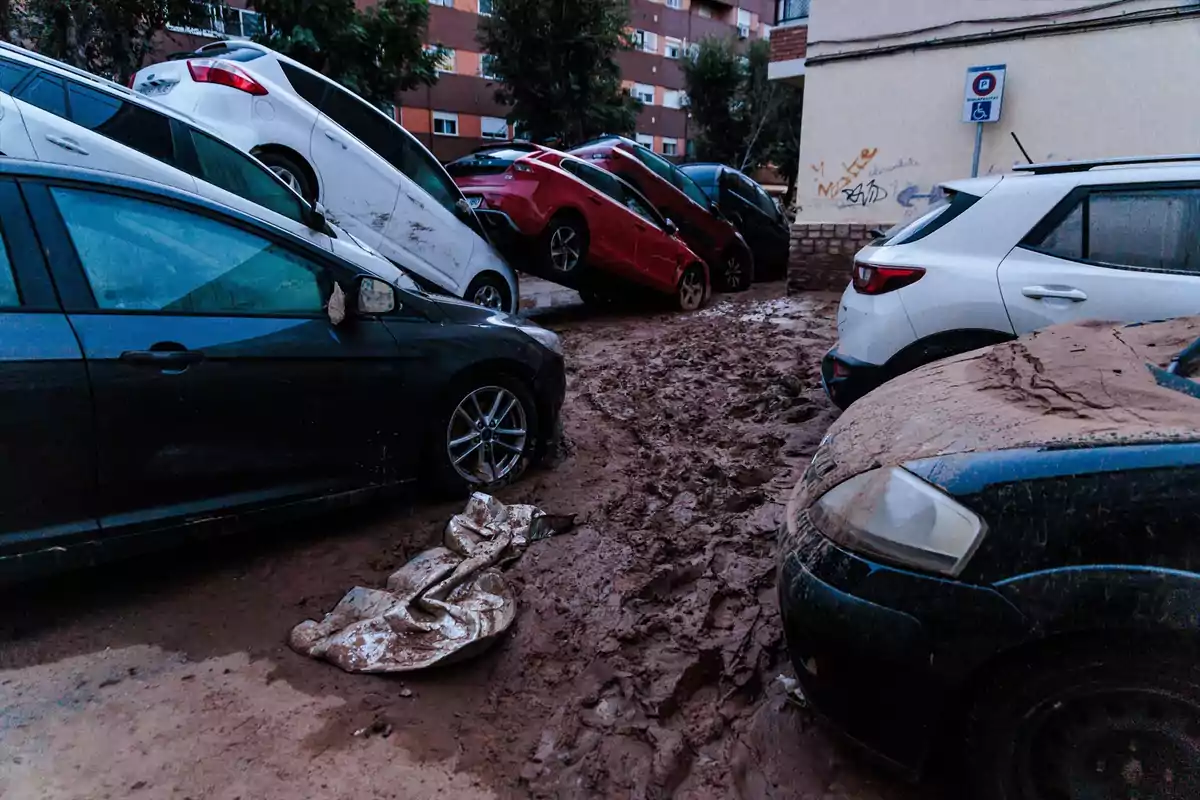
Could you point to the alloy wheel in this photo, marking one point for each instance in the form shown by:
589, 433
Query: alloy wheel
288, 177
691, 290
486, 437
564, 249
1111, 743
733, 273
488, 296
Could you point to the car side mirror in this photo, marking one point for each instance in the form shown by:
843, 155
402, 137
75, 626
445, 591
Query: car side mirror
463, 206
672, 228
314, 217
375, 297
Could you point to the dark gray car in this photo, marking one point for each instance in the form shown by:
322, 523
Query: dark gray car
751, 209
168, 364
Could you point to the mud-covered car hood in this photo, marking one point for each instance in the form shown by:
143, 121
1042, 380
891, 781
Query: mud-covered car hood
1071, 385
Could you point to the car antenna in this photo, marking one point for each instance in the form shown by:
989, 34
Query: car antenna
1021, 147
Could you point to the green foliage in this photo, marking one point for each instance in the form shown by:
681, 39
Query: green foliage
553, 60
107, 37
741, 117
375, 53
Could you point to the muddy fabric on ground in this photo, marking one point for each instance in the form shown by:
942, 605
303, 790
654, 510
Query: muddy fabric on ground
1087, 382
446, 604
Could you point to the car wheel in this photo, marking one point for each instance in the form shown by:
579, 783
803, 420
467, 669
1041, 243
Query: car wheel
1102, 722
291, 173
691, 291
487, 434
564, 245
490, 291
736, 271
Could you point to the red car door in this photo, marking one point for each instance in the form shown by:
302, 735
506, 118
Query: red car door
659, 255
612, 247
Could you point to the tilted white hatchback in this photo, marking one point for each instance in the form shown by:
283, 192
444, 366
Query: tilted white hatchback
372, 176
1005, 255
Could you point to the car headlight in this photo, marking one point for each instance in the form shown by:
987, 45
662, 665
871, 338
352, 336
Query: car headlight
547, 339
892, 513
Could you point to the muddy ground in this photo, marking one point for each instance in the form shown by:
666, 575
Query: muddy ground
643, 662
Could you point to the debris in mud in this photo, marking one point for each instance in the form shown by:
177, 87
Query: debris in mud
445, 604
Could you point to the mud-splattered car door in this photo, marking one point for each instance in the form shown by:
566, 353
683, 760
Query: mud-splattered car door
358, 184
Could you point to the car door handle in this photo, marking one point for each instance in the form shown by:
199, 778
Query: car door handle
1059, 292
163, 359
66, 143
333, 138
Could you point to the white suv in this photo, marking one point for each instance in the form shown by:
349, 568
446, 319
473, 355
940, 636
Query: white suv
1005, 255
50, 111
373, 177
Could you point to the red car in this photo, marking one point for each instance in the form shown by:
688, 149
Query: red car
677, 197
588, 228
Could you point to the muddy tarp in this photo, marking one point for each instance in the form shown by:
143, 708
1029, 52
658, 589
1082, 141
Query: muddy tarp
446, 604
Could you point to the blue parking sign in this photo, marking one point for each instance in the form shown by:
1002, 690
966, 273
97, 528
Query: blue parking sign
981, 111
984, 93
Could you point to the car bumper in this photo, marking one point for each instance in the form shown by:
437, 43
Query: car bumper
551, 392
846, 379
881, 653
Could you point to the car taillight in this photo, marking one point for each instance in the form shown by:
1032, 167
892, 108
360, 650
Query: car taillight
872, 279
210, 70
129, 83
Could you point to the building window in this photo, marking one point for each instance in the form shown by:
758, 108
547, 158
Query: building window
446, 3
670, 147
643, 92
494, 127
487, 66
704, 11
673, 98
646, 41
673, 48
225, 22
788, 10
448, 62
445, 124
678, 4
520, 133
485, 7
646, 140
743, 17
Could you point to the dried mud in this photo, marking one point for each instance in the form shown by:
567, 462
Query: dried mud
642, 663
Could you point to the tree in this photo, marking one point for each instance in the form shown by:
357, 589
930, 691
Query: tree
553, 60
107, 37
375, 53
734, 106
783, 150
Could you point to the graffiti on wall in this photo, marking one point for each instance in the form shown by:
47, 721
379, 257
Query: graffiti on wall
910, 195
832, 187
864, 194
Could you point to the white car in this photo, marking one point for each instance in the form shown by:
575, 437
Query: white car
50, 111
1006, 255
373, 177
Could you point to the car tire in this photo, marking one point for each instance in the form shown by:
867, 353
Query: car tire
290, 172
1099, 720
490, 291
735, 271
474, 450
564, 245
690, 293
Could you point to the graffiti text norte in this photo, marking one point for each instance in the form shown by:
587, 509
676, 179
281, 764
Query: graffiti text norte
864, 194
849, 173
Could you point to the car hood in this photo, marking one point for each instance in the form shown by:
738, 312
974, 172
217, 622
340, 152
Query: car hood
1071, 385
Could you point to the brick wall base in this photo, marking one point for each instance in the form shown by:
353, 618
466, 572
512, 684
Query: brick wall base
822, 254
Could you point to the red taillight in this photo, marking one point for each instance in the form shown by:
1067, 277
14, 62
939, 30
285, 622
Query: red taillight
872, 279
129, 83
210, 70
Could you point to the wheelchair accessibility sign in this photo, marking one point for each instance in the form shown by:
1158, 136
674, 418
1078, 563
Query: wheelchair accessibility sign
985, 89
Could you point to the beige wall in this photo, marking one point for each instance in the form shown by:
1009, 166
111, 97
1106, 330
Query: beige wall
840, 26
878, 130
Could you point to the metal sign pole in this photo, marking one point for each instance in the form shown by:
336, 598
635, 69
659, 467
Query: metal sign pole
978, 147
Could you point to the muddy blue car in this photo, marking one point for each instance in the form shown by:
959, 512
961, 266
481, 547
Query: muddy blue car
993, 563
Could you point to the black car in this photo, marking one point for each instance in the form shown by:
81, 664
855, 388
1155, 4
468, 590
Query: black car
998, 557
752, 210
172, 366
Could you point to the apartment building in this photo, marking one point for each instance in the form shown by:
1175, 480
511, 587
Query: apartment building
460, 112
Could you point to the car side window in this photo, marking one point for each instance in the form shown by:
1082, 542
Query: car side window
599, 180
140, 255
11, 74
308, 86
364, 123
426, 172
657, 165
635, 204
1065, 240
689, 187
9, 296
236, 172
764, 202
47, 92
125, 123
1155, 229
